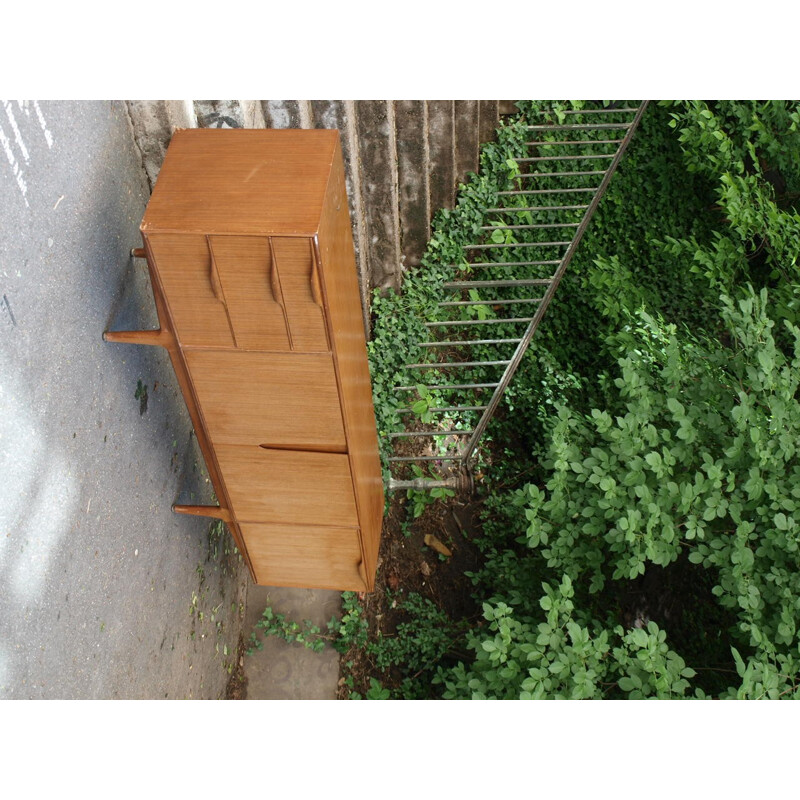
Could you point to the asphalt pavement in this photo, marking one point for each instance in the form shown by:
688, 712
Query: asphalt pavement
104, 592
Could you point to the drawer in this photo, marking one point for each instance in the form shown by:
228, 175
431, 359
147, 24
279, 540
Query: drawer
297, 555
276, 399
272, 291
288, 486
302, 295
252, 294
195, 300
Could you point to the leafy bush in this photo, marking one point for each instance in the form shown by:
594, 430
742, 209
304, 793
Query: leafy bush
656, 420
565, 657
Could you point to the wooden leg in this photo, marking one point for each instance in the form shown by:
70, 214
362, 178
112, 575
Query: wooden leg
158, 337
138, 252
204, 511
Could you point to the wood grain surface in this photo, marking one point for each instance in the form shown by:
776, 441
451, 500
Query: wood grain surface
297, 555
185, 270
252, 291
285, 399
290, 486
340, 286
242, 181
250, 248
301, 295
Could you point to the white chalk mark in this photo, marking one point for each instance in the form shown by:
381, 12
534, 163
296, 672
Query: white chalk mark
47, 134
4, 140
17, 133
57, 202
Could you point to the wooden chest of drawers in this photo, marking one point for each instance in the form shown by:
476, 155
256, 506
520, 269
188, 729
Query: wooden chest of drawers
248, 241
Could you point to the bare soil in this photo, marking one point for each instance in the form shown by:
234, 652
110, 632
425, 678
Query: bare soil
406, 564
237, 684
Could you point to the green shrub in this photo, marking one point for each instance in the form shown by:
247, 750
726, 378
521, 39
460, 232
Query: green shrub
655, 419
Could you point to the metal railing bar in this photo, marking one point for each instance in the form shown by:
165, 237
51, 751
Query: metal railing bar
408, 434
559, 174
423, 484
573, 142
624, 109
475, 322
444, 409
536, 208
549, 191
473, 284
527, 300
564, 158
594, 126
528, 227
425, 458
505, 264
443, 365
443, 387
516, 244
460, 342
523, 345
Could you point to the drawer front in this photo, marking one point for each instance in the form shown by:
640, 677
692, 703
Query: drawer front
301, 292
275, 399
250, 285
288, 486
296, 555
184, 266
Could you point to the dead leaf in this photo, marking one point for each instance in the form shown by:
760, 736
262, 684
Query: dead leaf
436, 545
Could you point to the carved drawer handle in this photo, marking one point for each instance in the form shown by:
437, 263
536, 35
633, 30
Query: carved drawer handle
315, 293
276, 287
216, 286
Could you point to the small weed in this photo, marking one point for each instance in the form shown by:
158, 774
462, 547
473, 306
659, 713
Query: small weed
376, 691
422, 499
342, 634
141, 395
419, 644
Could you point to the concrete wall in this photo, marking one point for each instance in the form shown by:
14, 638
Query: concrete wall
404, 160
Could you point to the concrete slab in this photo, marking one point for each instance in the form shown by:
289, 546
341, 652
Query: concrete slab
285, 670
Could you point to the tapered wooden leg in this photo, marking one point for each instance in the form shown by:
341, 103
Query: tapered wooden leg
204, 511
159, 337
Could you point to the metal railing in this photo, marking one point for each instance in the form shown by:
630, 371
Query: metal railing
460, 462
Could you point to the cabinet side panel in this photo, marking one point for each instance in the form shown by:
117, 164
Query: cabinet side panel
343, 301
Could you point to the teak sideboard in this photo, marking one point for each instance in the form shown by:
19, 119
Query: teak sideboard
249, 246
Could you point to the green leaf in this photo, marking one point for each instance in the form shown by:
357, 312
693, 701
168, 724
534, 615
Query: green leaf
639, 636
420, 407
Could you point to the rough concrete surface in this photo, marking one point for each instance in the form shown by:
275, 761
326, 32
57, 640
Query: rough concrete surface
378, 192
289, 671
441, 166
466, 120
412, 177
104, 592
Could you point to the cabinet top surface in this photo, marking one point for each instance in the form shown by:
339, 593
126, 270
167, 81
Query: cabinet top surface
242, 181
